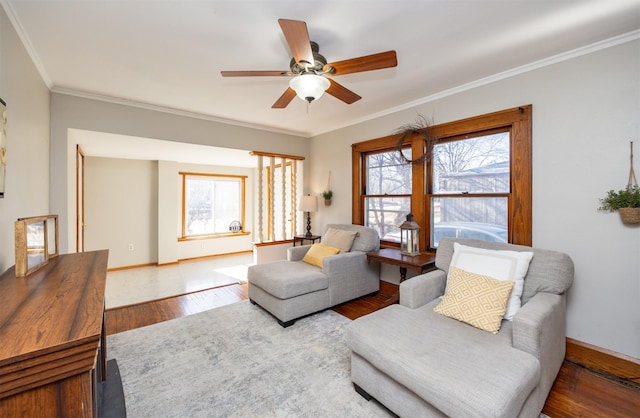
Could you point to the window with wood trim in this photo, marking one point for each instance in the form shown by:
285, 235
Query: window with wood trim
474, 183
211, 203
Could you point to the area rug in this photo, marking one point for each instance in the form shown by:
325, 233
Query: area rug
236, 361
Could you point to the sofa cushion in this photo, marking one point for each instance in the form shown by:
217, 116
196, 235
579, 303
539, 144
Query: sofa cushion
286, 279
459, 369
366, 240
317, 253
339, 238
549, 271
478, 300
502, 265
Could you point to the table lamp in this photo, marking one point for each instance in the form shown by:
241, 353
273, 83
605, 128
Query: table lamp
308, 204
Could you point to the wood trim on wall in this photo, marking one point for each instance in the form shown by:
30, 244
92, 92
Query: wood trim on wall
517, 120
603, 360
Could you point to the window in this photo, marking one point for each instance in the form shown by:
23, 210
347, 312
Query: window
388, 192
471, 184
210, 203
476, 183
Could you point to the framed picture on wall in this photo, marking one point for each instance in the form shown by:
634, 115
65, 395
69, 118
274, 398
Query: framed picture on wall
3, 146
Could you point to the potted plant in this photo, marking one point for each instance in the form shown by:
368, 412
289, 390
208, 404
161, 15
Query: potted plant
625, 201
327, 195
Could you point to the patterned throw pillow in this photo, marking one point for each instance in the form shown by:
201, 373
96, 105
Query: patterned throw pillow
477, 300
317, 252
502, 265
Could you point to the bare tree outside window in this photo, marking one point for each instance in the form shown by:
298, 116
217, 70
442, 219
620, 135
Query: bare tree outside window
388, 199
465, 173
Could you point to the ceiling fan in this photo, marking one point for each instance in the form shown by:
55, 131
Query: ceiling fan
310, 69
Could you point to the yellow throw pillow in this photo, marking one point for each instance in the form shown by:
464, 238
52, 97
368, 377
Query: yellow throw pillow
475, 299
317, 252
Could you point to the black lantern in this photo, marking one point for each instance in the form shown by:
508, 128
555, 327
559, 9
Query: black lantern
409, 237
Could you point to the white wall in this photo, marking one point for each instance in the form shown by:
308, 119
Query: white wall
121, 209
585, 112
27, 173
138, 203
71, 112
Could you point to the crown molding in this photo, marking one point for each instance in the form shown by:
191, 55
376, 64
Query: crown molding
545, 62
22, 34
173, 111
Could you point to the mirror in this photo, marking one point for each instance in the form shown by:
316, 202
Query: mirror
52, 236
36, 243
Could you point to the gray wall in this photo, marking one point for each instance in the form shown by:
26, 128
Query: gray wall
585, 112
71, 112
27, 98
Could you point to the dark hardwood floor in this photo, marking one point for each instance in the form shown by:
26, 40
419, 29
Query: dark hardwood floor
577, 392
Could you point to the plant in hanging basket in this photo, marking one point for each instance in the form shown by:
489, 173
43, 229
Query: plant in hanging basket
625, 201
327, 195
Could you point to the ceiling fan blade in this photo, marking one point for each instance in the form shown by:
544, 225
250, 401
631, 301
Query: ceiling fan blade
340, 92
254, 73
367, 63
285, 99
297, 36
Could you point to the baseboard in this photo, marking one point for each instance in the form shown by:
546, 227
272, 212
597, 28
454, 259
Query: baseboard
603, 360
132, 267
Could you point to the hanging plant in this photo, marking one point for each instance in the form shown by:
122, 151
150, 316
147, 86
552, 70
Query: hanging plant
421, 128
328, 194
625, 201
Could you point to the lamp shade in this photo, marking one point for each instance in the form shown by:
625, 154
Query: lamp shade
309, 87
308, 204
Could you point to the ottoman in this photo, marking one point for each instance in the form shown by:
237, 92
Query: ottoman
288, 290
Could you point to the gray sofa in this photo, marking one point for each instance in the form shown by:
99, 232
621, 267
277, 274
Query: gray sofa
419, 363
290, 289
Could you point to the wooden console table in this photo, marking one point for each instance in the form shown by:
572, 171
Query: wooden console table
53, 344
420, 263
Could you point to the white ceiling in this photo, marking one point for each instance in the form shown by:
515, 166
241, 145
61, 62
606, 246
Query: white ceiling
169, 53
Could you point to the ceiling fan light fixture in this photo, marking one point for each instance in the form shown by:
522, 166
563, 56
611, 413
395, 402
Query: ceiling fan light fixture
309, 87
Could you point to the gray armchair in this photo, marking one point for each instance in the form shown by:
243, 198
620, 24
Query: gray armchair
420, 363
290, 289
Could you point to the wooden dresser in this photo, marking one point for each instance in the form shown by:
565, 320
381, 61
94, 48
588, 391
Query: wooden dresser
52, 340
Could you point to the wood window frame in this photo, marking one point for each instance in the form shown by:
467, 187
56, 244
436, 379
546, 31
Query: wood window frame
518, 121
243, 187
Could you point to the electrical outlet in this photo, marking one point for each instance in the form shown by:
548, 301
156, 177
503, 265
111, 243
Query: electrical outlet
130, 246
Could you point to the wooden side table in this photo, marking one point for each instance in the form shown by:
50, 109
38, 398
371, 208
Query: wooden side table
421, 263
302, 238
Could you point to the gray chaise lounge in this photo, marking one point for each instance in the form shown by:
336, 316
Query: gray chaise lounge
419, 363
290, 289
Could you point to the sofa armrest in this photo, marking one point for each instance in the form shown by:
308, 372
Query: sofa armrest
422, 289
350, 276
297, 253
539, 328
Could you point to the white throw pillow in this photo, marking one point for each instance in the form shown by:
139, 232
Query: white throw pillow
502, 265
